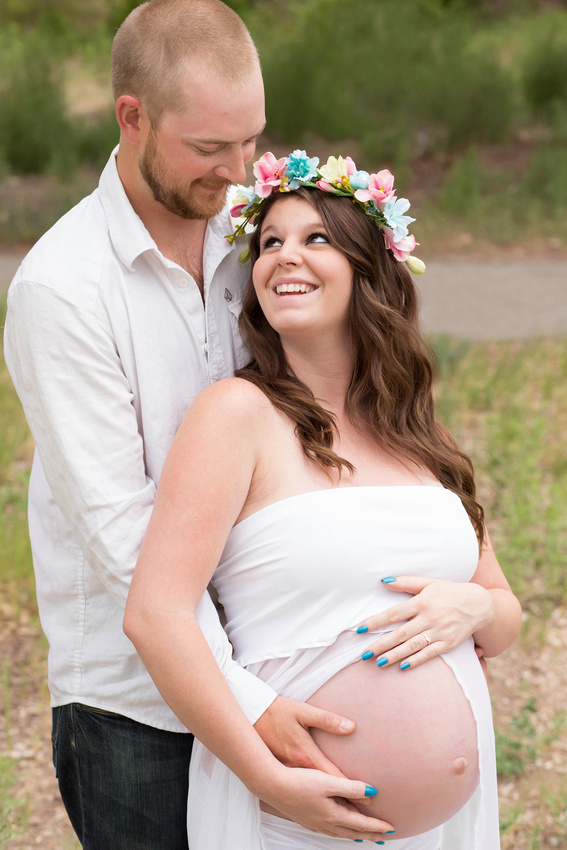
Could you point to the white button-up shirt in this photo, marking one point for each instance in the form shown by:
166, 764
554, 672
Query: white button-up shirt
108, 343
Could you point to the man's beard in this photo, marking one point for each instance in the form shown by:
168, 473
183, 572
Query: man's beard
177, 199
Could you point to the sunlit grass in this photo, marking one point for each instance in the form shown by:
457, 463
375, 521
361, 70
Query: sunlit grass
16, 580
506, 403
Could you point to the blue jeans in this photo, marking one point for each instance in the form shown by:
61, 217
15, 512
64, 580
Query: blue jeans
124, 784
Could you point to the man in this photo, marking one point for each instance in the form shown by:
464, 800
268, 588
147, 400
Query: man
120, 315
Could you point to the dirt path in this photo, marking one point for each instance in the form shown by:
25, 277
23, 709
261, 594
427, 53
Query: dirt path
471, 298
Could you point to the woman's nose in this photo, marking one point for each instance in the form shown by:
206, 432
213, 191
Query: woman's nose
289, 254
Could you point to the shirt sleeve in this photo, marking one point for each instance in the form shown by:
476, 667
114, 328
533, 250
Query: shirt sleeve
79, 406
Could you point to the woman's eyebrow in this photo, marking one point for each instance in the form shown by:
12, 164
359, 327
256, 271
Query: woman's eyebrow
304, 228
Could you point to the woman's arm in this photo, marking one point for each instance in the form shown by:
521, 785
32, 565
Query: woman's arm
448, 613
204, 484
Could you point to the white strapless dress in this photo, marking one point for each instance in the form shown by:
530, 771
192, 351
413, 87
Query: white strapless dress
295, 579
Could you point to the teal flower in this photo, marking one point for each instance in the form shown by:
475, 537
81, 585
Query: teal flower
359, 180
300, 168
395, 218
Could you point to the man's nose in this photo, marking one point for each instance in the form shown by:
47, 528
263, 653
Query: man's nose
233, 167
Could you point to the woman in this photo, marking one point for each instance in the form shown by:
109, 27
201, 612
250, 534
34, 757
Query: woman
314, 474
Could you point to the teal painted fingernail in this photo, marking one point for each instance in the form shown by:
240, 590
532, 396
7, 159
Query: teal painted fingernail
360, 631
381, 662
379, 842
388, 580
367, 655
390, 832
370, 791
405, 665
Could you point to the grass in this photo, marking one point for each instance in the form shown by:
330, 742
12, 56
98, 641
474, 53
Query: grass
16, 581
519, 745
13, 812
506, 403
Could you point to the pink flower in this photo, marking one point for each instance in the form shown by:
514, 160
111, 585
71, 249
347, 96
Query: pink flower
380, 189
402, 248
269, 172
324, 186
237, 209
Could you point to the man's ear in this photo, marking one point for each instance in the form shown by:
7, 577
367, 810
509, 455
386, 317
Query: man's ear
130, 115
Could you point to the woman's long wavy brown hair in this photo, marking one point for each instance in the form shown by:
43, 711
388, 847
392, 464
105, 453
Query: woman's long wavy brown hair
390, 392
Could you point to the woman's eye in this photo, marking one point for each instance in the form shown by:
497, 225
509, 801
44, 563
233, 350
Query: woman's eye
319, 238
270, 242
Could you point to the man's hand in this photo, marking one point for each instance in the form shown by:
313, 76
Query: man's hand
284, 728
325, 804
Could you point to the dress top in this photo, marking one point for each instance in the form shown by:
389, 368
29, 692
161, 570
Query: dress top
291, 575
296, 578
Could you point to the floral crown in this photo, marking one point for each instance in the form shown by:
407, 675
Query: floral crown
373, 192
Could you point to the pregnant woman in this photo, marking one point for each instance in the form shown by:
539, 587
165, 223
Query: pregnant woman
308, 488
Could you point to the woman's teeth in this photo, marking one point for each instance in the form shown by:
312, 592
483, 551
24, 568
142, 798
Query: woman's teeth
294, 287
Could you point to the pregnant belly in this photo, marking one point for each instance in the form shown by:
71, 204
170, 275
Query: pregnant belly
415, 740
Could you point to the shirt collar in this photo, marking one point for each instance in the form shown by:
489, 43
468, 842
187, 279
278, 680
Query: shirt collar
129, 235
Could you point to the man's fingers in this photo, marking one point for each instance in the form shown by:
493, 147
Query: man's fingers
312, 757
336, 724
371, 829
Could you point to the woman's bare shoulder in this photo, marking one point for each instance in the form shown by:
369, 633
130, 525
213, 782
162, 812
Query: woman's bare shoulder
232, 400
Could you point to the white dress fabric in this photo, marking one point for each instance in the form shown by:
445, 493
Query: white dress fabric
295, 580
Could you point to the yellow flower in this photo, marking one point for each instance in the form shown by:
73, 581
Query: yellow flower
335, 171
415, 265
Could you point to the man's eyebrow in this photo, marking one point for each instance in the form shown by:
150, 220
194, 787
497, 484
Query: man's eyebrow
223, 141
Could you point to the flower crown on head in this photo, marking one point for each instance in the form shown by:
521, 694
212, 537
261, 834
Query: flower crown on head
373, 192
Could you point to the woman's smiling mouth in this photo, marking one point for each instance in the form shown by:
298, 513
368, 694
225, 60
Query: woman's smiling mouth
293, 288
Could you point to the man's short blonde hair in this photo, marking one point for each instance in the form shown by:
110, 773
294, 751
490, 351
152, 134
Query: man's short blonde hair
161, 38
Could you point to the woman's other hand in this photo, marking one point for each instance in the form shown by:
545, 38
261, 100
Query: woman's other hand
439, 617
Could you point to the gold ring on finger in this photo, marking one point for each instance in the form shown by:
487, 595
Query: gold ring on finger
427, 638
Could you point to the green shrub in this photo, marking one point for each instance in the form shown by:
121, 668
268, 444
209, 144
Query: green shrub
94, 138
462, 192
34, 130
36, 134
545, 70
544, 185
399, 78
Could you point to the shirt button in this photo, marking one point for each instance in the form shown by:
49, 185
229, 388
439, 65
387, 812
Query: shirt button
206, 348
183, 283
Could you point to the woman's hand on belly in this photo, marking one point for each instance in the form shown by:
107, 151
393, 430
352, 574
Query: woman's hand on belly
439, 617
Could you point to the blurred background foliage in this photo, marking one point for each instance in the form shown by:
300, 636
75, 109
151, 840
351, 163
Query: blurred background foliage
466, 100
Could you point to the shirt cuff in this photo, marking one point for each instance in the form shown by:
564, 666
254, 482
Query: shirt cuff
254, 696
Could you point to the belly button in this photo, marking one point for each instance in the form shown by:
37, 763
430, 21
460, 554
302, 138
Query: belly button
460, 765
